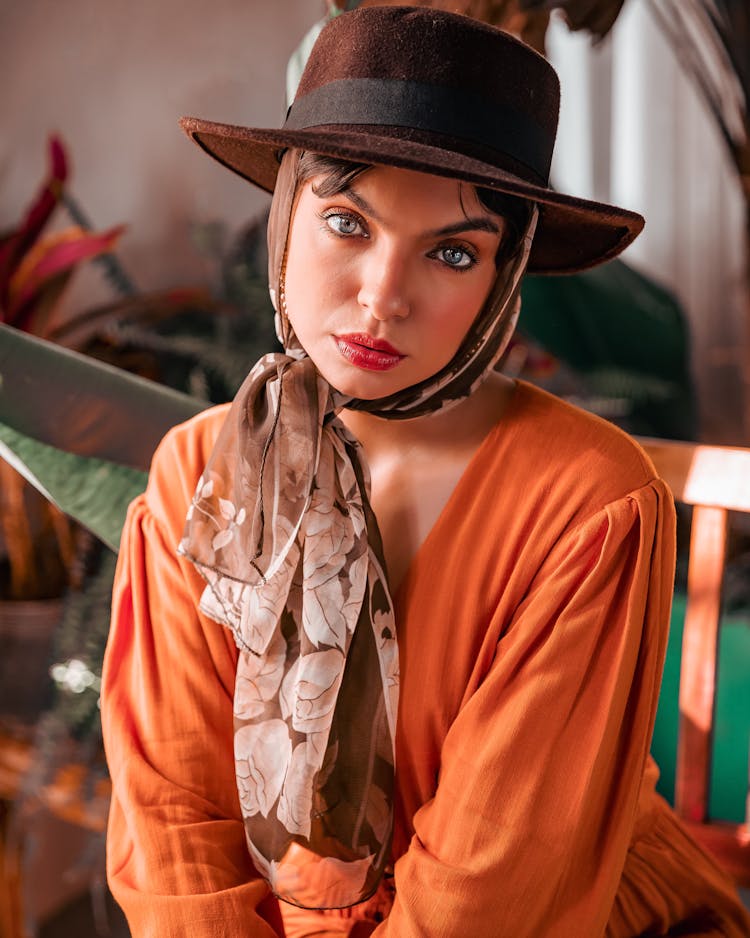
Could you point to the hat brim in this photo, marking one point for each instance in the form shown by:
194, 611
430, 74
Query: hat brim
572, 234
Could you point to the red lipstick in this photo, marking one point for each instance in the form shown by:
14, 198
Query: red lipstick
364, 351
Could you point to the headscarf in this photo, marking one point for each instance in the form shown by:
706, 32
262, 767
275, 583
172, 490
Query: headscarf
281, 528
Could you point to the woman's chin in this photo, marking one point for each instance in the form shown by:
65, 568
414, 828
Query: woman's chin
362, 392
364, 385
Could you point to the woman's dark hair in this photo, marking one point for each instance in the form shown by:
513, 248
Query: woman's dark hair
338, 175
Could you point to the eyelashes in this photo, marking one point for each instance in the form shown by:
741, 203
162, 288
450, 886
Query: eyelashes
454, 255
457, 257
344, 224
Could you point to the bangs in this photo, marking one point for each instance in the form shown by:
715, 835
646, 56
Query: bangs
337, 175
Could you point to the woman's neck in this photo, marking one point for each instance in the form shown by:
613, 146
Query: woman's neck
455, 430
416, 464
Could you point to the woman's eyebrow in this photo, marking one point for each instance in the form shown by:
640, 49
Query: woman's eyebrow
480, 223
467, 224
362, 204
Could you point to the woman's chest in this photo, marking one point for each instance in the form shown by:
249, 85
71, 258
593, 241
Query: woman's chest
408, 497
451, 610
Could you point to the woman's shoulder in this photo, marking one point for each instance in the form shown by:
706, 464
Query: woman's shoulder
190, 443
561, 448
179, 461
568, 433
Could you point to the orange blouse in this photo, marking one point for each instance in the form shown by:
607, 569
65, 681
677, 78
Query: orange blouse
531, 627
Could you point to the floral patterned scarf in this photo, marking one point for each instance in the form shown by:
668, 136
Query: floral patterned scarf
282, 530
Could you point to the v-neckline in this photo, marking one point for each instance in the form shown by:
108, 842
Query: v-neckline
399, 593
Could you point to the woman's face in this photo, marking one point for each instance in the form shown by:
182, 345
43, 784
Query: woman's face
384, 279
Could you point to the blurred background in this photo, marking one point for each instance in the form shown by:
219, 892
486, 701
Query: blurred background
112, 79
143, 253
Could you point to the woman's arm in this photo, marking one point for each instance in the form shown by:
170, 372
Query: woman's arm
540, 772
177, 861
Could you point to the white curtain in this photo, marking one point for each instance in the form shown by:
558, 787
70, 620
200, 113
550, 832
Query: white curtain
635, 131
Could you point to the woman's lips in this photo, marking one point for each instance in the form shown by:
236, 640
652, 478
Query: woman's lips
364, 351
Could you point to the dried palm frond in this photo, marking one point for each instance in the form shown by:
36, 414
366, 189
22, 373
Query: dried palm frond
595, 16
711, 40
514, 16
714, 54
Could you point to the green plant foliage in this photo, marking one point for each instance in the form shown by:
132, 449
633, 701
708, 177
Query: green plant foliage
81, 432
84, 407
93, 491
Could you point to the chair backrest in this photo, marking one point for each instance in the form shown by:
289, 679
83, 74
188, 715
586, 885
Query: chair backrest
714, 480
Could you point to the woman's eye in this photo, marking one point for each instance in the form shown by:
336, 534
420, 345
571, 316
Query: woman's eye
456, 257
344, 224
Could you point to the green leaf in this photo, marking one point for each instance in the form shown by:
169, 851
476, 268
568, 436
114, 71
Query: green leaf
93, 491
80, 431
82, 406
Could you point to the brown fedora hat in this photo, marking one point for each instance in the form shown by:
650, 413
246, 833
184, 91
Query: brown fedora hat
441, 93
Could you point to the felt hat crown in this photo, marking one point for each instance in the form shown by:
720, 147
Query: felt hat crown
440, 93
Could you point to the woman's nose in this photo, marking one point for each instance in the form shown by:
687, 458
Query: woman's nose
384, 287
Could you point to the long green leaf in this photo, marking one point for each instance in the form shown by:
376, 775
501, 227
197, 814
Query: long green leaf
93, 491
82, 406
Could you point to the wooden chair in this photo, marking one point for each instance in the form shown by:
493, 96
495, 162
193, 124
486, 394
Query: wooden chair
714, 480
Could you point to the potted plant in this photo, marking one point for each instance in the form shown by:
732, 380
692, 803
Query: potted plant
37, 542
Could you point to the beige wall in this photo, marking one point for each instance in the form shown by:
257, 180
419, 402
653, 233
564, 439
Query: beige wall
112, 77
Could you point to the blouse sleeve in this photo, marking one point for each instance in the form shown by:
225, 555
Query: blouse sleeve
176, 856
540, 772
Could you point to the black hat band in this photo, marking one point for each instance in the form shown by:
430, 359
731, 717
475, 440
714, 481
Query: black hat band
434, 108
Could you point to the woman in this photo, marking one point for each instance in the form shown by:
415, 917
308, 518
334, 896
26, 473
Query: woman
458, 746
